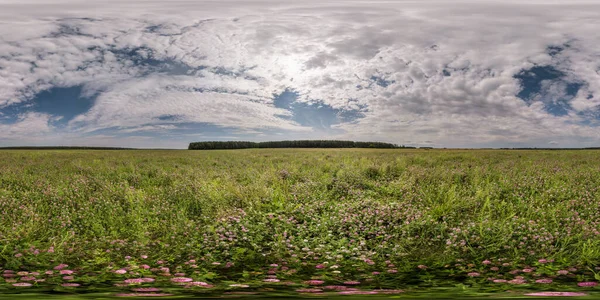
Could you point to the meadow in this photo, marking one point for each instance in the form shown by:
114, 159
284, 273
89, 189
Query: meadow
303, 221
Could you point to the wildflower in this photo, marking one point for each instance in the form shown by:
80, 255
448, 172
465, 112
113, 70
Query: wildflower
320, 266
422, 267
68, 277
133, 281
239, 285
48, 272
352, 282
143, 295
336, 287
60, 267
121, 271
499, 280
527, 270
542, 261
587, 284
473, 274
18, 255
71, 284
392, 271
28, 278
66, 272
146, 289
145, 267
148, 279
314, 282
545, 280
199, 283
271, 280
181, 279
486, 262
556, 294
494, 269
273, 265
375, 273
563, 272
517, 281
357, 292
144, 256
22, 284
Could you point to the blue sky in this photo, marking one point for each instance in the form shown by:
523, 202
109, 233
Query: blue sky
437, 73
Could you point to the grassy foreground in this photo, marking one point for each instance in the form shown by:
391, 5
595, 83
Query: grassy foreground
304, 220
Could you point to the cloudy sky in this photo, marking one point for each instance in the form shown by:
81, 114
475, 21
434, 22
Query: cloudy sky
442, 73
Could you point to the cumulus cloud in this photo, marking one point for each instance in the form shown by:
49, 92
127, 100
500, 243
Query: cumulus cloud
441, 73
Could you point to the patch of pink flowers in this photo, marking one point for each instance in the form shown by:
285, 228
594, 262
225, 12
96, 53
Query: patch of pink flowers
587, 284
143, 295
133, 281
544, 280
314, 282
357, 293
556, 294
22, 284
181, 279
71, 284
146, 289
517, 281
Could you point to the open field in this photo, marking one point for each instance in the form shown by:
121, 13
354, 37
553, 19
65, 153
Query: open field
299, 219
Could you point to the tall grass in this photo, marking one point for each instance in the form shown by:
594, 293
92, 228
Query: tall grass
381, 217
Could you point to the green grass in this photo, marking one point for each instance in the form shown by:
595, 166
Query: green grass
334, 215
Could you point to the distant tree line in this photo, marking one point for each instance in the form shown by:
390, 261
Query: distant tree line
214, 145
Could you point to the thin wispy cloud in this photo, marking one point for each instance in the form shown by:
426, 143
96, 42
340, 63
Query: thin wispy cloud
442, 73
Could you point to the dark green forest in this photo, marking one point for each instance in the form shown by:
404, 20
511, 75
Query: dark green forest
214, 145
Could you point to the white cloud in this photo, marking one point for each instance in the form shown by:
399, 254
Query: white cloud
240, 53
29, 125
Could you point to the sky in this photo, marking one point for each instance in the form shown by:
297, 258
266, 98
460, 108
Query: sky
161, 74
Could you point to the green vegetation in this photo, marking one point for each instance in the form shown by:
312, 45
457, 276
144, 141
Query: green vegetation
216, 145
300, 220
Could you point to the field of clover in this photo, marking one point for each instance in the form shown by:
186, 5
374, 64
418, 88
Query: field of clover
301, 221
